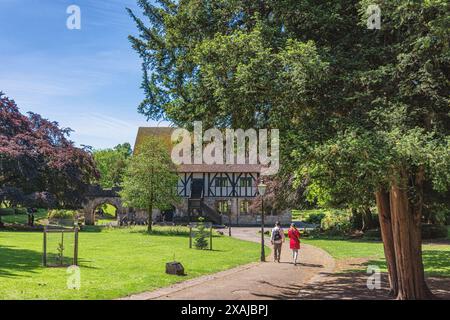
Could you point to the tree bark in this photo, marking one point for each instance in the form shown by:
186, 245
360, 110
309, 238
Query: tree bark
384, 215
150, 218
406, 230
367, 220
150, 209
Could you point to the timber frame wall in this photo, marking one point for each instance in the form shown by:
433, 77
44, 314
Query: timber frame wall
231, 184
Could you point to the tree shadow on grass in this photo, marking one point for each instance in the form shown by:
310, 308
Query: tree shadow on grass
436, 262
93, 229
13, 260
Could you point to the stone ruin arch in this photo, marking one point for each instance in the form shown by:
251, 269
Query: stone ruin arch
97, 196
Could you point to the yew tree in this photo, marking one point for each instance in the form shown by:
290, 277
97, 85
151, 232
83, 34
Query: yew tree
363, 114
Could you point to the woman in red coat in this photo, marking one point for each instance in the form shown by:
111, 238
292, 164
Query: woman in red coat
294, 235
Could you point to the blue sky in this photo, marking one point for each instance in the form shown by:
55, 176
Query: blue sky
88, 79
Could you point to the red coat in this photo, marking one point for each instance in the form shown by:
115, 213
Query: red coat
294, 235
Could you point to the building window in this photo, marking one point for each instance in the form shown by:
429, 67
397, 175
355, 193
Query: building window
244, 206
245, 182
221, 182
222, 206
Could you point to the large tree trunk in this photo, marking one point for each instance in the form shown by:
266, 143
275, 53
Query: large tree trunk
384, 215
406, 230
368, 222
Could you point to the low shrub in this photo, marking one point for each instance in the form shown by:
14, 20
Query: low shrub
62, 214
374, 234
12, 211
432, 231
336, 222
315, 217
309, 216
6, 211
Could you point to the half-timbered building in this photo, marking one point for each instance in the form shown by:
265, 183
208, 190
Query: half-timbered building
221, 193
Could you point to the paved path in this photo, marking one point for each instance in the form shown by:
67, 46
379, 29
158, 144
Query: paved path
269, 280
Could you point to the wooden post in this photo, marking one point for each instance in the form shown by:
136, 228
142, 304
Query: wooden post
75, 249
210, 238
62, 247
190, 237
44, 256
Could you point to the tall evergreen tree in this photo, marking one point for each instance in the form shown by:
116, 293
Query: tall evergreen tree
361, 112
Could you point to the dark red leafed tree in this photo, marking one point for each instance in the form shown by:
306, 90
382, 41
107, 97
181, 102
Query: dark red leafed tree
38, 161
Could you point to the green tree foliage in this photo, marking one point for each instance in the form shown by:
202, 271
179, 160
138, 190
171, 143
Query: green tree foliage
150, 179
360, 112
112, 164
39, 165
201, 236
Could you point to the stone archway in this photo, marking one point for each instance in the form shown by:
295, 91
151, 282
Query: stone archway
92, 204
97, 196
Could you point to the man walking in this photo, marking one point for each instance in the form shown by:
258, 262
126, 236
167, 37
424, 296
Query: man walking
277, 239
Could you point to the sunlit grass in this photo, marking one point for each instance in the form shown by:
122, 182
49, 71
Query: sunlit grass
23, 218
436, 258
114, 262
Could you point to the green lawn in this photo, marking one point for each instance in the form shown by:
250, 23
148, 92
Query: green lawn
436, 257
114, 263
23, 218
109, 215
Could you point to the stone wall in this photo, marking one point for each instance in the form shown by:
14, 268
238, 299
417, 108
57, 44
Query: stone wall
237, 218
139, 217
181, 211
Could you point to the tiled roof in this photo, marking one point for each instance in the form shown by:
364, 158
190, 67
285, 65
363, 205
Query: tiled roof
165, 133
253, 168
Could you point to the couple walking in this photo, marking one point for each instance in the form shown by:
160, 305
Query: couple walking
277, 238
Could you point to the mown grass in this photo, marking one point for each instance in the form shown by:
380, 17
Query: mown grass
436, 257
109, 215
114, 262
23, 218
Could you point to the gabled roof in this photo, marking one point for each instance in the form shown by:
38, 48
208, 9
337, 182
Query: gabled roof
165, 133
